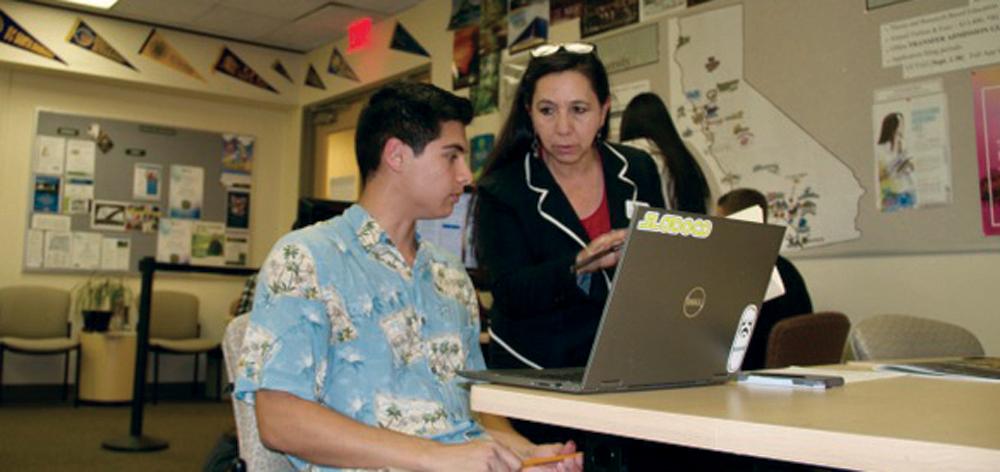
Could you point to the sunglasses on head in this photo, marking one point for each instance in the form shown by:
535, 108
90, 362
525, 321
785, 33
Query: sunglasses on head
573, 48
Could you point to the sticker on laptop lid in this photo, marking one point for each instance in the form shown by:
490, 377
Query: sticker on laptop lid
675, 225
742, 338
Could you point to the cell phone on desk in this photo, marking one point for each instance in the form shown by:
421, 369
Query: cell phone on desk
790, 380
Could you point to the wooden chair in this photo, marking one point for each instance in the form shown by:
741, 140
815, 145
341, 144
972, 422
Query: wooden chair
34, 320
810, 339
908, 337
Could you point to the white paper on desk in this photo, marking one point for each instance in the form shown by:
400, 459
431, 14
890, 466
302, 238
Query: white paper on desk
849, 375
755, 214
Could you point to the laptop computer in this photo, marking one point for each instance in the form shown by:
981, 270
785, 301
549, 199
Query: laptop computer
681, 308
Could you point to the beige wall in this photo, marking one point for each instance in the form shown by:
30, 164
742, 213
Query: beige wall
24, 91
52, 26
958, 288
950, 287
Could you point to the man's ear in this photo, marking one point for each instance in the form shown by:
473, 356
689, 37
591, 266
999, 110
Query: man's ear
393, 154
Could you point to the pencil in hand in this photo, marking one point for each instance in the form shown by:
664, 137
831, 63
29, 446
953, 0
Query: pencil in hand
533, 461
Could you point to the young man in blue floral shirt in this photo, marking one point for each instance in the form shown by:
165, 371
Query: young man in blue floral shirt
359, 327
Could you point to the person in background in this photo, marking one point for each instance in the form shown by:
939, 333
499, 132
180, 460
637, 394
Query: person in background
552, 202
795, 301
647, 126
358, 327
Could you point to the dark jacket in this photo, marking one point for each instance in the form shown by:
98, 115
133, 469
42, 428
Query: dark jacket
527, 239
794, 302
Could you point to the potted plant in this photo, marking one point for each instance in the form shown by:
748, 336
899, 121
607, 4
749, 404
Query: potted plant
99, 299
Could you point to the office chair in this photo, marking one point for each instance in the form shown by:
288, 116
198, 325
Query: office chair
253, 453
810, 339
909, 337
34, 320
174, 329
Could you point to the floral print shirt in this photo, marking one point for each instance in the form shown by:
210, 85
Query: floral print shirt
340, 319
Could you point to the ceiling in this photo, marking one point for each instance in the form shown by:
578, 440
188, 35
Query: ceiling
298, 25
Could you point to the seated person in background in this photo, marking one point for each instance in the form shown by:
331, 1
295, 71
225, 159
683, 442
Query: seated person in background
358, 327
244, 304
795, 301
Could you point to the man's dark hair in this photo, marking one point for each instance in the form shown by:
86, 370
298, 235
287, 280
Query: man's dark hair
409, 111
740, 199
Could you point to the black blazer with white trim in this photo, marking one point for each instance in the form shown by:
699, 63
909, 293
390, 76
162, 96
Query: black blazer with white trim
527, 239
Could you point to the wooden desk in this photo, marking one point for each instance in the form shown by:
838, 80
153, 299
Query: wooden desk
107, 367
902, 423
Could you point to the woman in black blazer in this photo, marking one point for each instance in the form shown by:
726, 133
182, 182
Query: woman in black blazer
553, 195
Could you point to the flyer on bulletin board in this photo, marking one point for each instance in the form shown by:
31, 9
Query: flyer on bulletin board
986, 93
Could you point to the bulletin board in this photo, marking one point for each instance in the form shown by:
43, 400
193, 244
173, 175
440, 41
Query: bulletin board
104, 193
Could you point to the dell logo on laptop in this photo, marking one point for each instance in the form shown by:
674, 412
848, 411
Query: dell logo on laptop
694, 302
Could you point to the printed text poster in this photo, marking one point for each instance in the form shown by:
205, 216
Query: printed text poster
186, 192
147, 181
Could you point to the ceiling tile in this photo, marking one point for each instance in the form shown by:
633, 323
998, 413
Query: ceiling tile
323, 26
174, 12
225, 21
387, 7
284, 9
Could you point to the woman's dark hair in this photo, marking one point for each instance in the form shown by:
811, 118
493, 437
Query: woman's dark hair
890, 124
517, 133
647, 117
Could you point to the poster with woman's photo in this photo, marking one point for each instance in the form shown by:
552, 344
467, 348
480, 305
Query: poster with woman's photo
912, 159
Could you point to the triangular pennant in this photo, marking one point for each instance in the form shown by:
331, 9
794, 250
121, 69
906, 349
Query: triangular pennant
313, 80
230, 64
84, 36
402, 40
280, 69
340, 67
158, 49
14, 35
